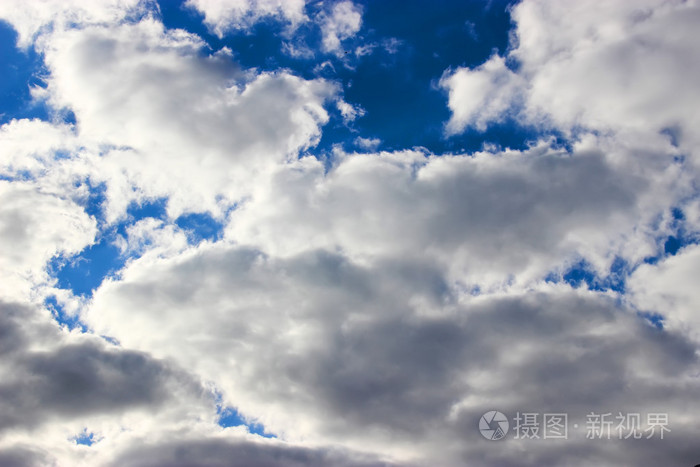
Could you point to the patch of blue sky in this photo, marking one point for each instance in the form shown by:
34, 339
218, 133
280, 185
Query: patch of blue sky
680, 238
84, 272
200, 226
19, 71
229, 417
85, 438
398, 87
654, 319
259, 47
20, 175
155, 208
94, 205
674, 135
583, 274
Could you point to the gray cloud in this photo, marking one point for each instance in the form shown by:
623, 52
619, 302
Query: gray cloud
386, 356
64, 379
485, 218
22, 456
220, 452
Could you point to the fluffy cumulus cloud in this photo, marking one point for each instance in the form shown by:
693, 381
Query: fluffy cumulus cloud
499, 213
609, 67
667, 288
602, 67
222, 16
482, 95
388, 357
173, 122
255, 293
30, 18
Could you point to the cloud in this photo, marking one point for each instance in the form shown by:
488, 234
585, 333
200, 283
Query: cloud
152, 237
231, 452
367, 144
667, 288
49, 374
20, 456
175, 123
338, 21
343, 22
480, 96
502, 217
223, 16
349, 112
392, 359
610, 67
35, 227
55, 382
30, 146
31, 18
608, 78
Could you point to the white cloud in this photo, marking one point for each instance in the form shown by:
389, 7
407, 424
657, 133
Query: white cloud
367, 144
57, 385
502, 218
481, 95
348, 111
343, 22
150, 236
222, 16
669, 289
612, 67
30, 18
609, 77
29, 146
196, 129
35, 227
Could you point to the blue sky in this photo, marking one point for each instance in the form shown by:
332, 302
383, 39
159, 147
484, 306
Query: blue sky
338, 232
19, 70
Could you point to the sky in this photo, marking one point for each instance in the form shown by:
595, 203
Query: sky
349, 233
